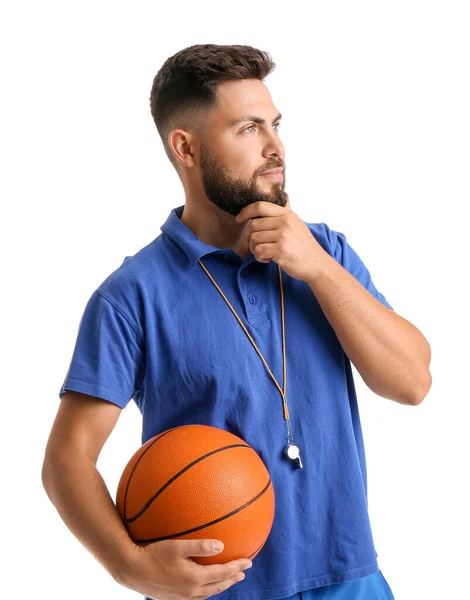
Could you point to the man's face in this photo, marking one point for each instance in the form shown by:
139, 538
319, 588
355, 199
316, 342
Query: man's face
236, 154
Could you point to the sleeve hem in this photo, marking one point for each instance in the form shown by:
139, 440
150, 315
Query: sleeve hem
77, 385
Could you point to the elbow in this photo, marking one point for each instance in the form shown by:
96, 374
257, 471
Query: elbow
45, 475
422, 392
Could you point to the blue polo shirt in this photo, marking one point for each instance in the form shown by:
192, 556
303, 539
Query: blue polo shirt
158, 332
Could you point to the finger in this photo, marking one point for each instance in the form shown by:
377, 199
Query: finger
259, 238
264, 224
216, 588
265, 252
218, 573
259, 209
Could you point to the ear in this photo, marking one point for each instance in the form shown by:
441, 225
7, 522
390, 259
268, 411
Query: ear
181, 144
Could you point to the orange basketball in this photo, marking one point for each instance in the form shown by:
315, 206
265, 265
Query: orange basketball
198, 482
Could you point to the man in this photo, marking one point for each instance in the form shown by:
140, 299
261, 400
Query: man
161, 330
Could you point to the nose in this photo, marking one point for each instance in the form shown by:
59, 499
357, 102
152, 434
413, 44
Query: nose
274, 146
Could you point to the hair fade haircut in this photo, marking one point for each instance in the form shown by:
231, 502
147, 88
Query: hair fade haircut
185, 87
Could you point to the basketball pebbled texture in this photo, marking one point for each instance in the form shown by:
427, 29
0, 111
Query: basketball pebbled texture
198, 482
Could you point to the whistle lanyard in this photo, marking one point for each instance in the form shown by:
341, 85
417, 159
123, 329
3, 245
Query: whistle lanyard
291, 450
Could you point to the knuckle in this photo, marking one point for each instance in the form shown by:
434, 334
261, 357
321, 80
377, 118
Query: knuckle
235, 572
220, 587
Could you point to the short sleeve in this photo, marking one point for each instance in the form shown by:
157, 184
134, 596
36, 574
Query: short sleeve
349, 259
108, 360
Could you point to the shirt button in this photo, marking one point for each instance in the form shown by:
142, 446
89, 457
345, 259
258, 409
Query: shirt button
252, 299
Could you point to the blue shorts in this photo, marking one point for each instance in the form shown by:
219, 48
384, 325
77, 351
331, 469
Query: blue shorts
371, 587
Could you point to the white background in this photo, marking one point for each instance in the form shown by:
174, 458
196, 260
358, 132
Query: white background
375, 99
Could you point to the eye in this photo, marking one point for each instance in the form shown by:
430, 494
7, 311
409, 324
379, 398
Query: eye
251, 126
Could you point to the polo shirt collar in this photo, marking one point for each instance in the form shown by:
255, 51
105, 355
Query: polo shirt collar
191, 245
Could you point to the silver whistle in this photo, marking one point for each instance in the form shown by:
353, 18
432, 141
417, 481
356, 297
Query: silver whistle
293, 453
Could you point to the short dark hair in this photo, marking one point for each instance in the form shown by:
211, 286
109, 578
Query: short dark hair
185, 87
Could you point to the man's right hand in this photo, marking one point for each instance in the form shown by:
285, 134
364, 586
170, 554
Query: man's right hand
164, 571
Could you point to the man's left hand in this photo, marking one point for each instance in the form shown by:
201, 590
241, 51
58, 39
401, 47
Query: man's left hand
280, 235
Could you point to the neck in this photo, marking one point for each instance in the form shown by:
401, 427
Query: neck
216, 228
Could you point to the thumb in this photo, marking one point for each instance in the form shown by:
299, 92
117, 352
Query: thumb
199, 547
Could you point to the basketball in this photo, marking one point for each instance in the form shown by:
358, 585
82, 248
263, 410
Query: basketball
198, 482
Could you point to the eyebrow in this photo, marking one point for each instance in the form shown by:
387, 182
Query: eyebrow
254, 119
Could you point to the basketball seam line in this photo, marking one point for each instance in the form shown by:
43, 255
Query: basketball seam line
135, 467
167, 537
151, 500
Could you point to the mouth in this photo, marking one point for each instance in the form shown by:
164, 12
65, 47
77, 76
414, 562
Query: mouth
274, 176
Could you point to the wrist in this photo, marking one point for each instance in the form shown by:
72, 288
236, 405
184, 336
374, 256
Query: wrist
316, 267
123, 563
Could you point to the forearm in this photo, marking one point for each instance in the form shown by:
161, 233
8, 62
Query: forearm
79, 493
389, 352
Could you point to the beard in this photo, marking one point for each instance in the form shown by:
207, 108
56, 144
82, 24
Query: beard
233, 194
